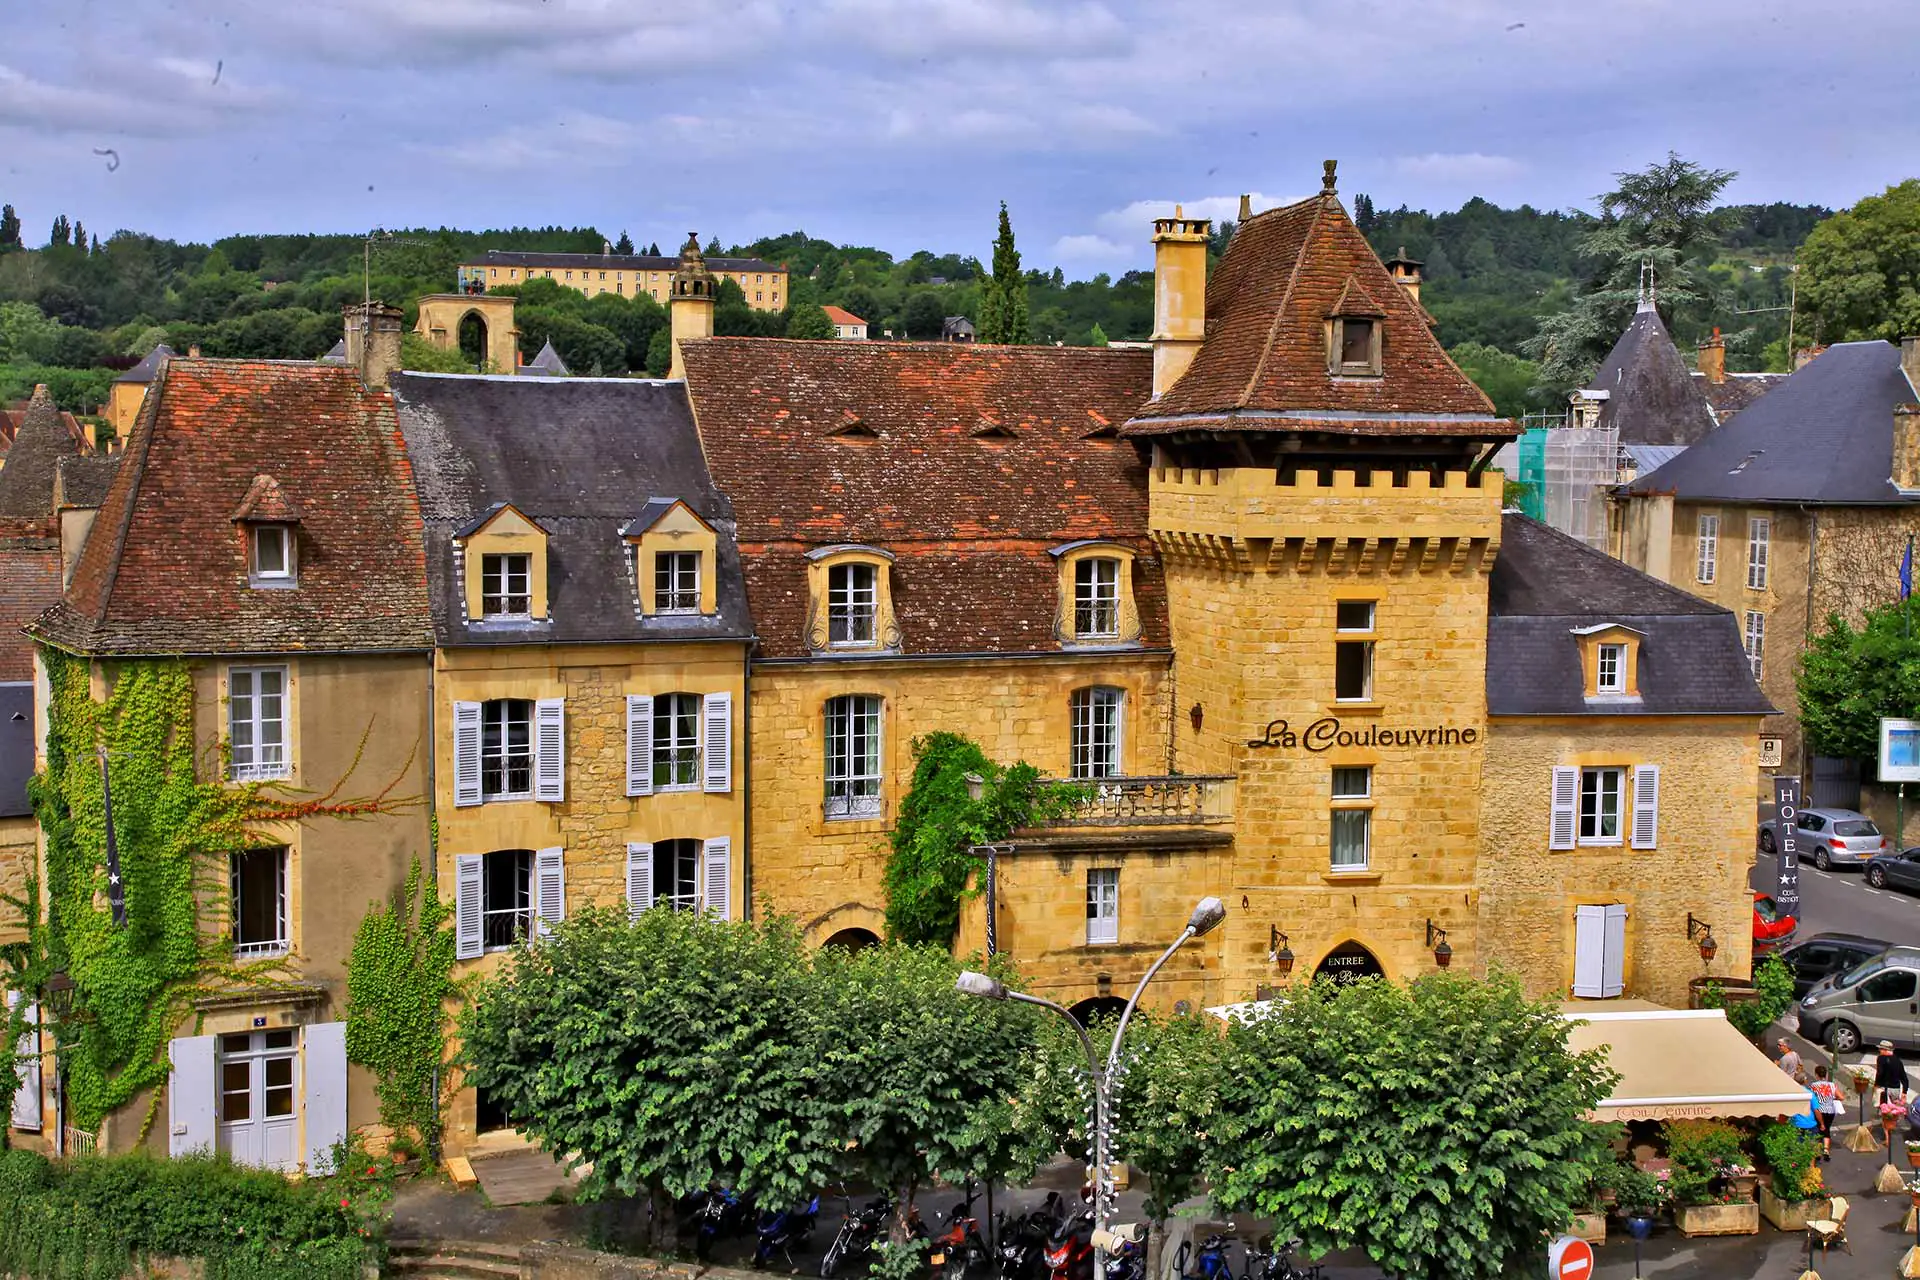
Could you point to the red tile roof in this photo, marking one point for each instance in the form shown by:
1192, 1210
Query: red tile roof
165, 568
969, 513
840, 315
29, 583
1263, 365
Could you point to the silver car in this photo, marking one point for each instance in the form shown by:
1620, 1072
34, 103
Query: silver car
1877, 999
1830, 838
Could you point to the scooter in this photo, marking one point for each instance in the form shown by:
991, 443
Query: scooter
716, 1212
959, 1246
1023, 1238
784, 1231
1213, 1262
859, 1231
1265, 1262
1068, 1254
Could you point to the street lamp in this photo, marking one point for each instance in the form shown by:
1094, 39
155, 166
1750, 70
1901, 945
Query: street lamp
1207, 915
1704, 931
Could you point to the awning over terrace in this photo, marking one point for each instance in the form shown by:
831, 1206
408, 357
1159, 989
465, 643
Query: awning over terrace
1679, 1064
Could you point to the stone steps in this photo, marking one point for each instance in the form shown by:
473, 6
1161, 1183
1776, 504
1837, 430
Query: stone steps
453, 1260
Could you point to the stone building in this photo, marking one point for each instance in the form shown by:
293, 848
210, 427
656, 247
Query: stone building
764, 284
1796, 509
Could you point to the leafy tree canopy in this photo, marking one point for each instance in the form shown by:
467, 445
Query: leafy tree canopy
1860, 269
1850, 677
809, 321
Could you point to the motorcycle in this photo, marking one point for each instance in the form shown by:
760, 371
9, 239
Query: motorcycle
959, 1246
1126, 1253
859, 1232
1023, 1237
1068, 1253
1213, 1262
715, 1212
784, 1231
1264, 1262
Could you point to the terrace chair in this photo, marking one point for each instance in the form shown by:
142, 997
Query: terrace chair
1829, 1231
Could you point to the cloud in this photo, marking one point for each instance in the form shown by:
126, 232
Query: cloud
1083, 247
943, 30
1460, 166
163, 98
567, 142
1134, 223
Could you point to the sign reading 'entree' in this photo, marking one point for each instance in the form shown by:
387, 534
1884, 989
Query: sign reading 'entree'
1325, 733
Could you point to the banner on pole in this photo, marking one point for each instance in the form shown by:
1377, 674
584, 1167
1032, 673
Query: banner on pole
1786, 866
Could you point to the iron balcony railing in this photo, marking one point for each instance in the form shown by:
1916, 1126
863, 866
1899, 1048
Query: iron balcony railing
1184, 800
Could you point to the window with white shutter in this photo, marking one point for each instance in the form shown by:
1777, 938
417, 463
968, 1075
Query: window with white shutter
550, 750
549, 888
324, 1084
719, 876
639, 879
26, 1097
466, 754
1646, 805
1599, 951
1613, 960
468, 938
1759, 540
1565, 807
719, 745
1709, 548
190, 1095
639, 745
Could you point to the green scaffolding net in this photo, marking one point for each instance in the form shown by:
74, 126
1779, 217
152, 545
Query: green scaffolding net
1531, 474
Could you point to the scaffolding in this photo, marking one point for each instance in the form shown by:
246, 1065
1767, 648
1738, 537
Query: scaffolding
1580, 464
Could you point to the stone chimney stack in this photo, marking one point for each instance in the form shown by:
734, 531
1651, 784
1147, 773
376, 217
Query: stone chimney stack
1406, 273
193, 351
1713, 358
1910, 362
1906, 447
690, 300
1179, 295
373, 341
1246, 207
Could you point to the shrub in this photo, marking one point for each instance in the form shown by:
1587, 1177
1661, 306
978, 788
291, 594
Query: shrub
1701, 1151
1789, 1153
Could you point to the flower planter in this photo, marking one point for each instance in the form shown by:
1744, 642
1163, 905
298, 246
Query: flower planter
1717, 1219
1743, 1184
1591, 1227
1792, 1215
1913, 1155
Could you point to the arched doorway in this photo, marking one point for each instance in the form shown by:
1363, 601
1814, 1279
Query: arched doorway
473, 339
1098, 1009
1348, 963
852, 940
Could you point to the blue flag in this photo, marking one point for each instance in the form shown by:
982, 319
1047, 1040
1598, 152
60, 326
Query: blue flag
1906, 570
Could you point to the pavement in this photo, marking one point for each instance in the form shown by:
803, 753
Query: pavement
1843, 902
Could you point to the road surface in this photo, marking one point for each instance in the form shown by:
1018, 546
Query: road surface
1843, 902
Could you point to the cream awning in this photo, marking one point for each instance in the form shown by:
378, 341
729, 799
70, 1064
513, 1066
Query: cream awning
1679, 1064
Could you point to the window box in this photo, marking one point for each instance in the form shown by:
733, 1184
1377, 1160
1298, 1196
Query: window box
1717, 1219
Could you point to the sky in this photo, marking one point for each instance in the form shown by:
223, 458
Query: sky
904, 123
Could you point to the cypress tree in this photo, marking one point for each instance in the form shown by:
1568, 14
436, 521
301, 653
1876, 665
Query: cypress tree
1003, 302
62, 232
9, 228
624, 245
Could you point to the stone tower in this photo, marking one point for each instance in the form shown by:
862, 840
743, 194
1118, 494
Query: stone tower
690, 303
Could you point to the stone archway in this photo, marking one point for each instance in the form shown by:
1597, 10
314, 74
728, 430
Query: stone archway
855, 939
1097, 1009
1349, 963
471, 336
443, 316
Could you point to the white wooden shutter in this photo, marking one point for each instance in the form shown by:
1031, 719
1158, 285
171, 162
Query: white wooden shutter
639, 879
466, 753
719, 745
550, 749
26, 1098
1566, 805
1613, 964
468, 875
323, 1084
549, 888
639, 744
1589, 951
191, 1095
1646, 805
719, 876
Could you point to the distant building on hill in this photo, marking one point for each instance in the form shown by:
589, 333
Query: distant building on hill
625, 274
957, 329
846, 324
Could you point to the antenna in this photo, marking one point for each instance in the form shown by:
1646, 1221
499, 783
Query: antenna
383, 238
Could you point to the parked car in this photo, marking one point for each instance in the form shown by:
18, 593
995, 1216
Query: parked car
1900, 870
1878, 999
1830, 838
1771, 926
1825, 954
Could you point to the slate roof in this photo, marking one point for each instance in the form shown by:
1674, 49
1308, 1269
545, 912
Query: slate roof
581, 457
896, 445
611, 261
149, 366
337, 353
1824, 435
1263, 364
547, 364
1735, 393
84, 481
165, 569
1545, 584
26, 482
10, 420
16, 747
1652, 397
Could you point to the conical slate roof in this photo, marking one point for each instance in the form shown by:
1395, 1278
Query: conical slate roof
1651, 394
26, 483
144, 372
547, 364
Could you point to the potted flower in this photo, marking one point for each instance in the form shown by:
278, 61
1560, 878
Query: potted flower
1793, 1194
1913, 1152
1704, 1152
1639, 1194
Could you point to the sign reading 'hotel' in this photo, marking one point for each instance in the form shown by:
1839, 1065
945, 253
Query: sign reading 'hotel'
1326, 733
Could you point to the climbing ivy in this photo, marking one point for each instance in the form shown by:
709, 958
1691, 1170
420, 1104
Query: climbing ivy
23, 968
399, 980
931, 860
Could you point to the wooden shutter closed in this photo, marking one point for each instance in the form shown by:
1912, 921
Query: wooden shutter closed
639, 745
1646, 805
26, 1098
639, 879
1589, 951
1561, 828
1613, 960
719, 745
191, 1095
719, 876
549, 888
468, 938
550, 750
466, 753
324, 1088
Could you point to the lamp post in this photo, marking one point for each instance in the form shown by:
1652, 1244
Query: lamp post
1102, 1081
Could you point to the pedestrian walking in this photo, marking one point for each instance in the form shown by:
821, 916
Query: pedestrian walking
1889, 1073
1826, 1108
1790, 1062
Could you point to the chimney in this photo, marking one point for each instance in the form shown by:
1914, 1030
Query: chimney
1906, 448
1713, 358
1406, 273
373, 341
1246, 207
690, 300
1179, 295
1910, 362
193, 351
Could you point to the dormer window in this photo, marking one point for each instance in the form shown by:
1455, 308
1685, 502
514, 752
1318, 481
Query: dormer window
1096, 598
673, 554
506, 585
1353, 333
1356, 342
1096, 604
853, 602
676, 582
271, 555
849, 600
1609, 658
1611, 673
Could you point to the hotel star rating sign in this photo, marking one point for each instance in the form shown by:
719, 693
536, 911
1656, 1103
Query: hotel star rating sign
1570, 1258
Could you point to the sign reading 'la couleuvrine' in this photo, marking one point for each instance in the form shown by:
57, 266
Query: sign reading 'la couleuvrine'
1325, 733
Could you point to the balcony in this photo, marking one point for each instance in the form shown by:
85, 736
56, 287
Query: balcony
1180, 800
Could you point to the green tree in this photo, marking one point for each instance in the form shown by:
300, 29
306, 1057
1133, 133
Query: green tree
417, 354
1096, 336
62, 232
660, 353
624, 244
1003, 299
924, 314
399, 984
1507, 379
670, 1052
9, 228
1439, 1126
1860, 269
1850, 677
1663, 214
79, 236
809, 321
